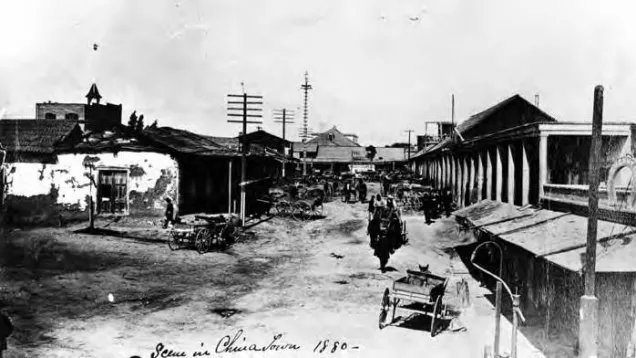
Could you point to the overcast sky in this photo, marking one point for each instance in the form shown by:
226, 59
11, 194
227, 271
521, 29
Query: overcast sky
378, 67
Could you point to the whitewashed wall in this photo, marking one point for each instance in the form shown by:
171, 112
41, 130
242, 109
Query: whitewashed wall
152, 176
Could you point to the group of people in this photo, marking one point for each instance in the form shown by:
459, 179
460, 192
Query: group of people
384, 241
350, 188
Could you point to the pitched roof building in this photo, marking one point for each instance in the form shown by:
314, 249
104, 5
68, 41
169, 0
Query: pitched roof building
28, 140
333, 137
514, 152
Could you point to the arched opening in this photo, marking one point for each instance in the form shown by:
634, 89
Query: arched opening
71, 116
49, 115
620, 183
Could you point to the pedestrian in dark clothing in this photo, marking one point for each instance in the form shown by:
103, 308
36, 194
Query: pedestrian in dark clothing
362, 190
385, 186
371, 207
426, 203
169, 213
448, 202
6, 328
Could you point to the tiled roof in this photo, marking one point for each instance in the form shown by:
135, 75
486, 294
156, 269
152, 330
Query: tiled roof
232, 143
34, 136
185, 142
110, 142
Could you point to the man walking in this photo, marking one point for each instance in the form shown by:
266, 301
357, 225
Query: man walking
169, 213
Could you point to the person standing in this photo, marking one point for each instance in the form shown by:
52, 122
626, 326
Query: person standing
385, 185
362, 189
371, 208
6, 329
169, 214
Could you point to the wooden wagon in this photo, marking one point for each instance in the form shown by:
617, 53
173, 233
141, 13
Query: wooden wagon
424, 291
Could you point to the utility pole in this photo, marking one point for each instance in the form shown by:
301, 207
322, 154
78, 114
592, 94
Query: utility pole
305, 87
409, 131
588, 331
245, 112
284, 116
453, 110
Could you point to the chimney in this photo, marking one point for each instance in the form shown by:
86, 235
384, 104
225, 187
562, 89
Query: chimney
536, 100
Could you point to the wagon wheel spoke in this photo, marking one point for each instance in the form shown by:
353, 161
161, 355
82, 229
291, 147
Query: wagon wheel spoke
173, 241
200, 241
436, 316
384, 310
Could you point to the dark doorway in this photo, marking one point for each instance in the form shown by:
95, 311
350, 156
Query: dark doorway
112, 194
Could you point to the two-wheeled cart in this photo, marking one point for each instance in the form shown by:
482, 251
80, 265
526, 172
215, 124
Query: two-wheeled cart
424, 291
205, 233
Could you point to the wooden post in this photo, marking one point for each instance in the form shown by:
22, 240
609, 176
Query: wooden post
480, 176
631, 346
471, 178
499, 176
543, 164
229, 187
498, 293
91, 213
511, 175
244, 159
525, 176
515, 324
464, 181
588, 332
489, 176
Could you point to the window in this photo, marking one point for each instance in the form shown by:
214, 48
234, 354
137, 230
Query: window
72, 116
331, 136
49, 115
112, 192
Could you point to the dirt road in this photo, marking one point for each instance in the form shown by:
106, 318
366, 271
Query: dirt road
294, 285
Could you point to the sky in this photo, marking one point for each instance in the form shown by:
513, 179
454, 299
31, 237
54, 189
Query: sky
377, 67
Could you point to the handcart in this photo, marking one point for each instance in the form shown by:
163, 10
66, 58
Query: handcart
424, 291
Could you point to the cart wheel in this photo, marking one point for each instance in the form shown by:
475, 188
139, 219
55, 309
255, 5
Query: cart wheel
436, 316
215, 238
302, 211
173, 242
384, 310
282, 208
201, 241
317, 211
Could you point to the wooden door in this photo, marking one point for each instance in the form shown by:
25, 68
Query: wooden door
112, 192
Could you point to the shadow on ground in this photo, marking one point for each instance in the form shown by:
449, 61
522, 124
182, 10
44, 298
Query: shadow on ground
53, 275
121, 234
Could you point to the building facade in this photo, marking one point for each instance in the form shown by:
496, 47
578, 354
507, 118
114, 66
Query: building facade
514, 152
92, 116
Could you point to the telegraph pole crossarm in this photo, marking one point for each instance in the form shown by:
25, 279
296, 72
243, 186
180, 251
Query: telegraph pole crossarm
245, 112
409, 131
284, 116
